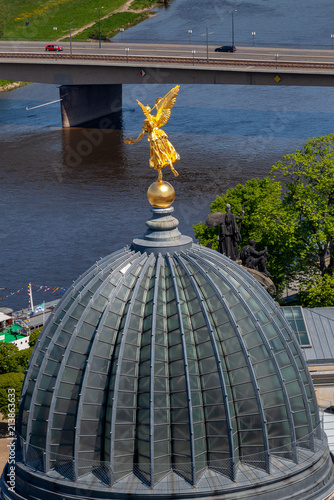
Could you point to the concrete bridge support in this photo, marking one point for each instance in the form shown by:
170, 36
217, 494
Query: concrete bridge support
98, 106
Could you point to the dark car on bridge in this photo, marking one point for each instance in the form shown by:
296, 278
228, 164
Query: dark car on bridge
226, 48
54, 48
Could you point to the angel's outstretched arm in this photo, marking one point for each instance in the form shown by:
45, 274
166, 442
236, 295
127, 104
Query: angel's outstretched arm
129, 140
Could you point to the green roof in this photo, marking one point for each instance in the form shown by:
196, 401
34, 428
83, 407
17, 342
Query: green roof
12, 333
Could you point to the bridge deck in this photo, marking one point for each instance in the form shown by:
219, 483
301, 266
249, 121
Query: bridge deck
280, 64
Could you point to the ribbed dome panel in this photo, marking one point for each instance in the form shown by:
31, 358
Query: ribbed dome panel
155, 363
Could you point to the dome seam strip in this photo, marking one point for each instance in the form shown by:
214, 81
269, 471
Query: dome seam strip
182, 261
186, 371
149, 261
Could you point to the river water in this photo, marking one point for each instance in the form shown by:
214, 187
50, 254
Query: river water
276, 24
69, 197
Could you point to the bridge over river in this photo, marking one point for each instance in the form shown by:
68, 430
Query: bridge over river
91, 79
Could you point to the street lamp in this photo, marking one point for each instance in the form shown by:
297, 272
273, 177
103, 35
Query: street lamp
193, 53
55, 30
99, 9
253, 34
276, 58
127, 54
70, 25
121, 30
190, 32
207, 42
232, 12
332, 37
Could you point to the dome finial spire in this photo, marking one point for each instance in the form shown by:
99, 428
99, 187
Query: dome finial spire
160, 194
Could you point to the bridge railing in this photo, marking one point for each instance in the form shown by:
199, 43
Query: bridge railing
191, 61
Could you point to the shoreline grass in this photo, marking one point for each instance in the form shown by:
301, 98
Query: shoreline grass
43, 17
6, 85
35, 20
146, 4
111, 26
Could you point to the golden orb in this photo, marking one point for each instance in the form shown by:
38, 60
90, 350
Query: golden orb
161, 194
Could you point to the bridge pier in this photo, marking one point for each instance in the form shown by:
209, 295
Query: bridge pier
98, 106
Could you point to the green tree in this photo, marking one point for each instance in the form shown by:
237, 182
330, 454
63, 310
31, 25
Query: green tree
8, 363
318, 292
10, 381
22, 359
34, 336
310, 194
12, 359
268, 220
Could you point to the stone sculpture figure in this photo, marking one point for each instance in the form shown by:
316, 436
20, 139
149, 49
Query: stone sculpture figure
253, 259
162, 152
229, 232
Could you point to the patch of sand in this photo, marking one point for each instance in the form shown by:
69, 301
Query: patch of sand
4, 452
4, 441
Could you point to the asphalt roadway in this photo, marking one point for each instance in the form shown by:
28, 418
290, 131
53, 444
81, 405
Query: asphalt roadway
174, 50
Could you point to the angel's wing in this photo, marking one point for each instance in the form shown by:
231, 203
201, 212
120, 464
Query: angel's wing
164, 106
143, 108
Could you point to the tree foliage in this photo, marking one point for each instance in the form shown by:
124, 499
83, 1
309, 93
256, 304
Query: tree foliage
13, 364
310, 192
13, 360
8, 363
318, 292
10, 381
34, 337
22, 359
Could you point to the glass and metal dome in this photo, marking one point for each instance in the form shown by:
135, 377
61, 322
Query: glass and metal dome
167, 371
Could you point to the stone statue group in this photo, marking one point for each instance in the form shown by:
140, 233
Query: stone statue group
229, 237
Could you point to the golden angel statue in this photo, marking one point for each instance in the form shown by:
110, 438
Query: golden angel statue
161, 150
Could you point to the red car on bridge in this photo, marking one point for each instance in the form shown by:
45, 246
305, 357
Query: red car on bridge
54, 48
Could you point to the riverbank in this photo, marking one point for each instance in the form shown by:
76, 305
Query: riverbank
131, 13
6, 85
37, 22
